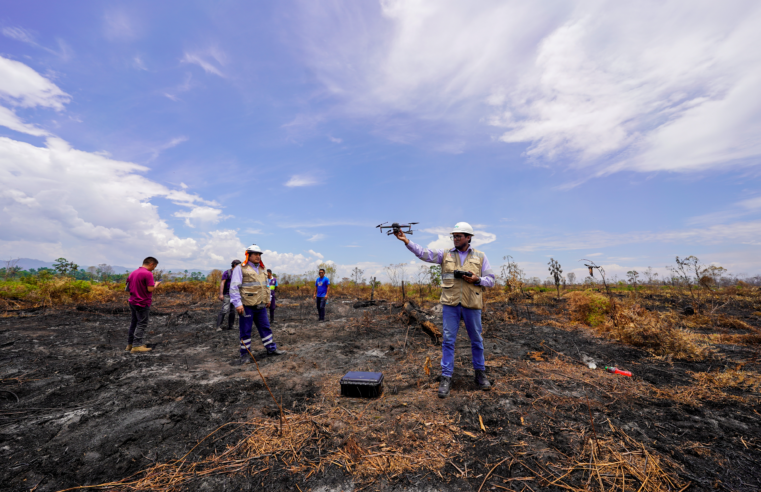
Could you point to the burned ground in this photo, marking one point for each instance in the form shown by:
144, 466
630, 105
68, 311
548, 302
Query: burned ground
76, 410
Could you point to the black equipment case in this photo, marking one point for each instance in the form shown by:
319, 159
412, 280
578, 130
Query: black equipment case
362, 384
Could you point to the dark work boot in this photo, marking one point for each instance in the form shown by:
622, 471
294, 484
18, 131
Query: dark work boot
444, 386
481, 381
276, 352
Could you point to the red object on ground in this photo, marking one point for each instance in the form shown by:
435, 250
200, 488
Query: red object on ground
614, 370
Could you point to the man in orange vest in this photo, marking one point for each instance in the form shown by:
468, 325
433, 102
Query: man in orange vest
250, 295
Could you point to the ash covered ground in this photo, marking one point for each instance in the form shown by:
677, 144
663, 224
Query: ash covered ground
76, 410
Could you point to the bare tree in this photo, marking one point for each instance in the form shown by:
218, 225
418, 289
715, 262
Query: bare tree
512, 275
356, 275
651, 276
11, 268
396, 273
592, 266
571, 278
104, 271
557, 272
633, 275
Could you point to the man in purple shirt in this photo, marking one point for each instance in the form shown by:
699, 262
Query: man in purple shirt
224, 296
140, 285
465, 272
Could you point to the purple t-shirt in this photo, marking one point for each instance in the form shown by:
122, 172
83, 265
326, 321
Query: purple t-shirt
226, 277
139, 281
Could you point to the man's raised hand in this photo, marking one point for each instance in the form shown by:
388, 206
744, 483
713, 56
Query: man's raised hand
400, 236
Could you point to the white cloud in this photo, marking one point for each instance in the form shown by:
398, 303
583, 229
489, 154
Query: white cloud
9, 119
315, 253
747, 233
21, 86
444, 241
19, 34
168, 145
316, 237
201, 216
666, 86
301, 180
290, 262
211, 60
335, 139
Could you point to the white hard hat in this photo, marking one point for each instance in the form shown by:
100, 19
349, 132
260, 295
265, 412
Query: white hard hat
462, 228
254, 249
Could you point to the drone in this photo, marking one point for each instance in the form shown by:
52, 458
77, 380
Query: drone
396, 227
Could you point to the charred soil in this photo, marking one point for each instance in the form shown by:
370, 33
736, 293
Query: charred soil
77, 410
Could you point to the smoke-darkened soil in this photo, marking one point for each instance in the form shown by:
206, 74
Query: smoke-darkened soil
76, 410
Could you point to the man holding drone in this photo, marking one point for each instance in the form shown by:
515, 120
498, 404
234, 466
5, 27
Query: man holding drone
465, 272
250, 295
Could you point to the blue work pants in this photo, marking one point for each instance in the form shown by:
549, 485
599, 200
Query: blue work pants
451, 316
258, 317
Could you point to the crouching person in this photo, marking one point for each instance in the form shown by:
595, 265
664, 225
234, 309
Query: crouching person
250, 295
140, 285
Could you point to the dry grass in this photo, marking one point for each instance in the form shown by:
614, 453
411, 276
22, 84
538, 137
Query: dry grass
363, 444
630, 323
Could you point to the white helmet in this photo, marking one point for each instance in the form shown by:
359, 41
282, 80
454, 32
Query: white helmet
462, 228
254, 249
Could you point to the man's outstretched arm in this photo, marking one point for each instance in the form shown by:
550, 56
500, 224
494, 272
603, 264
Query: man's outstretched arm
427, 255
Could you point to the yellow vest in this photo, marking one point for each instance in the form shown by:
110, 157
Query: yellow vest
254, 290
456, 290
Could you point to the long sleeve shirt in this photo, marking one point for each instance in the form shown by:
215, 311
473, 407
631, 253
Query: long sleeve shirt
437, 256
237, 279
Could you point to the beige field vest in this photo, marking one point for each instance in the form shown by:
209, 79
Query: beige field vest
254, 289
455, 290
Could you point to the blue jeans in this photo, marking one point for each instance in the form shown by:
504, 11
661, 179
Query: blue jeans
259, 317
321, 306
451, 316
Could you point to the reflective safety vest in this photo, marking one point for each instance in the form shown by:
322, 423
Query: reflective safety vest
253, 289
272, 283
456, 290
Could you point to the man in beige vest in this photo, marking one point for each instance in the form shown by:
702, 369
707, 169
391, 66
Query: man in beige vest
461, 298
250, 295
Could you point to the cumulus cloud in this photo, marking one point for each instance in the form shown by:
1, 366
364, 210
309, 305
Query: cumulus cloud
445, 242
291, 262
301, 180
315, 253
609, 85
201, 216
22, 86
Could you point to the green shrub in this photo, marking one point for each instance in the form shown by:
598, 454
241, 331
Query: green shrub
590, 308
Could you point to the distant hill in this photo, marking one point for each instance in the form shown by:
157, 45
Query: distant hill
28, 263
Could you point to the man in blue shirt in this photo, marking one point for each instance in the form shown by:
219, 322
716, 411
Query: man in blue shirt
321, 289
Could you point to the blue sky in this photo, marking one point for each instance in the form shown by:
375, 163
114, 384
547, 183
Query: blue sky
628, 133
